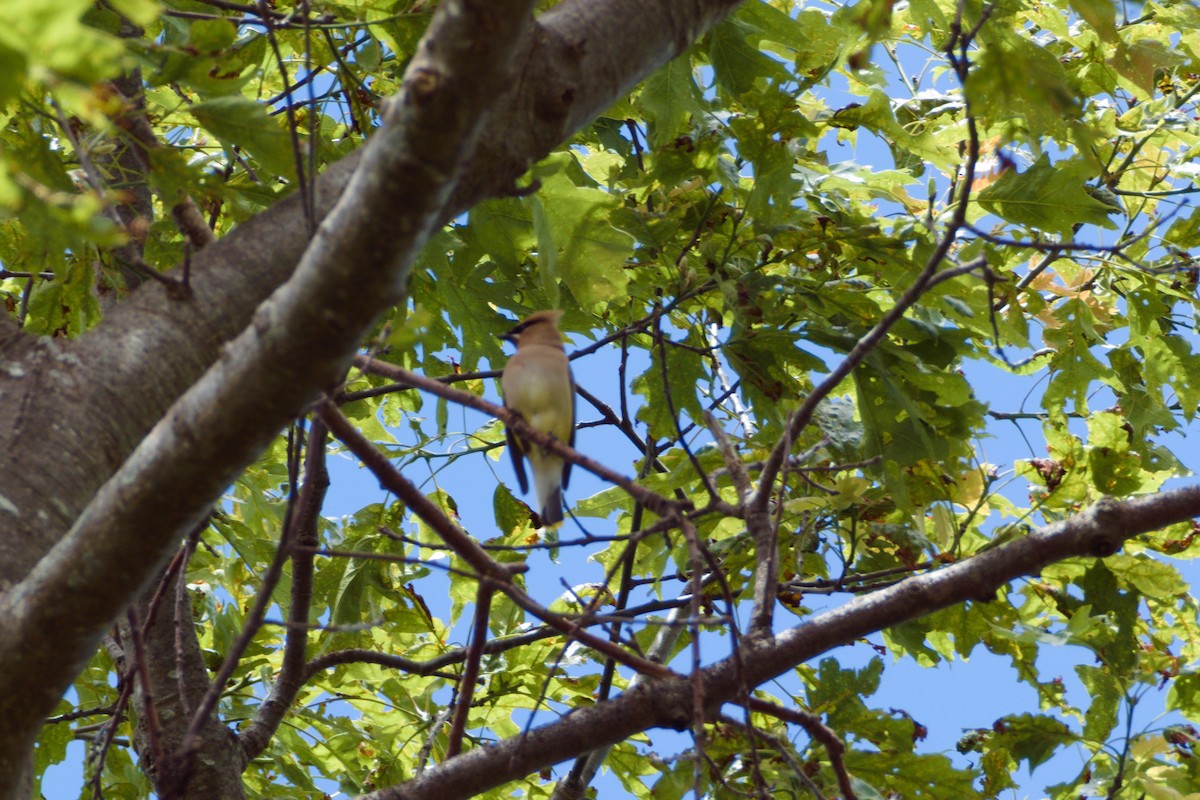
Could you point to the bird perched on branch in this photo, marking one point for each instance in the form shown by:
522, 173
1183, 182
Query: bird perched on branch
537, 385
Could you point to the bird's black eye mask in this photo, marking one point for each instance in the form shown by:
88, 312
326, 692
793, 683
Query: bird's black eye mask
515, 331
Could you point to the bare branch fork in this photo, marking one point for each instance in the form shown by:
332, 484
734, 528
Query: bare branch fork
819, 732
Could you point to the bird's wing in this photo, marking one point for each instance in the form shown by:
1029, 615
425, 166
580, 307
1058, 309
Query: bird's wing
518, 459
566, 473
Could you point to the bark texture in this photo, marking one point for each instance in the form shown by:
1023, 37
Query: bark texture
120, 441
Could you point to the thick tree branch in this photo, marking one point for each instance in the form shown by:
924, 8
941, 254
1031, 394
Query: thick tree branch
1096, 532
579, 58
301, 339
114, 384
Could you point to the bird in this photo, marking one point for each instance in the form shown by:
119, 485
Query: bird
537, 385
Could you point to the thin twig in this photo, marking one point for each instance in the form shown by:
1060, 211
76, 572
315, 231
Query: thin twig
819, 732
153, 723
462, 544
655, 502
474, 655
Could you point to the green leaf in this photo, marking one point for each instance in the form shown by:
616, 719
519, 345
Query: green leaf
51, 34
670, 401
1047, 197
66, 305
1116, 643
52, 744
768, 363
1020, 88
1115, 468
349, 604
836, 419
1141, 62
1184, 694
13, 64
1147, 576
838, 691
737, 66
669, 96
1106, 693
1100, 15
241, 122
512, 515
913, 777
877, 115
577, 243
1032, 738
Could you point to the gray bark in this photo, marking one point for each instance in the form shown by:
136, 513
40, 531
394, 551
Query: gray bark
120, 441
667, 702
177, 681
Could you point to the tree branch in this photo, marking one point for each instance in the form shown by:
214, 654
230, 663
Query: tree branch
1095, 532
466, 548
660, 505
301, 542
300, 340
113, 384
470, 673
579, 58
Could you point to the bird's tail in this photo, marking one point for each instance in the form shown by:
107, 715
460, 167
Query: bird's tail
552, 511
547, 480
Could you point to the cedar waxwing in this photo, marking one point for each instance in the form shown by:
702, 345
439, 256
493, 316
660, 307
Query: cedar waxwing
537, 385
